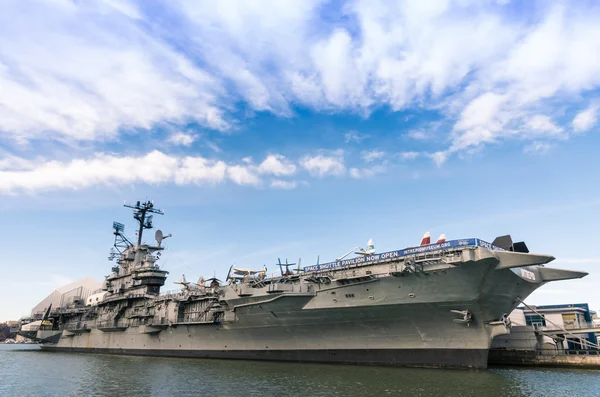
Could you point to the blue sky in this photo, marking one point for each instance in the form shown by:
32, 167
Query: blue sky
295, 129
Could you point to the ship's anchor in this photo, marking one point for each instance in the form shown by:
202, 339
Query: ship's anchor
467, 316
506, 320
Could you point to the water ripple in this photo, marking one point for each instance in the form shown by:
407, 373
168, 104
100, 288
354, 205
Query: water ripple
27, 371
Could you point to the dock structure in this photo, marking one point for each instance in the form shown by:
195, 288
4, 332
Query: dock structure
552, 336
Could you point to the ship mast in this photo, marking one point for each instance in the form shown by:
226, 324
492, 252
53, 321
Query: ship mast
141, 214
137, 271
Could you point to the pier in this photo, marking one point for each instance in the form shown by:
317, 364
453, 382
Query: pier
550, 336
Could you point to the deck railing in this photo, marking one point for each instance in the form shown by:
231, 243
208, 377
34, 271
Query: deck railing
571, 326
568, 352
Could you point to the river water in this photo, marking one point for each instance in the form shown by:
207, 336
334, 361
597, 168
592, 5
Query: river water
27, 371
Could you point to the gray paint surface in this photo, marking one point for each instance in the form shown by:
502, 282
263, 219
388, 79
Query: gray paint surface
403, 311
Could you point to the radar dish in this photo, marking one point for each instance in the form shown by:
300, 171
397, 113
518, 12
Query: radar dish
159, 236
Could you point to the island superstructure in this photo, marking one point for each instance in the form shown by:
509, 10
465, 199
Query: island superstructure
436, 304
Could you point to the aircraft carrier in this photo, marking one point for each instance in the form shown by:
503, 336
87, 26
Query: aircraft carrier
438, 305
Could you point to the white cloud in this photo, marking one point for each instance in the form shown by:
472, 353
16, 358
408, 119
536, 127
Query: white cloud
87, 70
545, 63
155, 167
541, 125
105, 170
80, 72
19, 175
277, 165
439, 158
372, 155
480, 121
196, 170
428, 131
537, 147
212, 146
187, 139
354, 137
280, 184
409, 155
586, 119
322, 165
180, 138
14, 163
361, 173
242, 175
124, 7
419, 135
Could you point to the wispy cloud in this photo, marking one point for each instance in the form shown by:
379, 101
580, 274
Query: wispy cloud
84, 70
367, 172
14, 163
212, 146
281, 184
419, 135
586, 119
89, 71
354, 137
372, 155
537, 147
425, 132
409, 155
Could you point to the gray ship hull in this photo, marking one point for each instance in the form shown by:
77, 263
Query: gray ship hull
442, 313
395, 320
422, 335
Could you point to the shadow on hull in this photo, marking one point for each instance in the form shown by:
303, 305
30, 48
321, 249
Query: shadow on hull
444, 358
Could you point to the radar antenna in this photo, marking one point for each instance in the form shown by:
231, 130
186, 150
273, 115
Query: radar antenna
121, 241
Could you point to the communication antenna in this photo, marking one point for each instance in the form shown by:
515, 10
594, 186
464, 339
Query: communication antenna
159, 236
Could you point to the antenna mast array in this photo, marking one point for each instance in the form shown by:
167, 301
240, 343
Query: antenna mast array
141, 214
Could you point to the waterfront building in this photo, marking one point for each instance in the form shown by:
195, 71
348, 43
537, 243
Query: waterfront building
13, 325
552, 328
